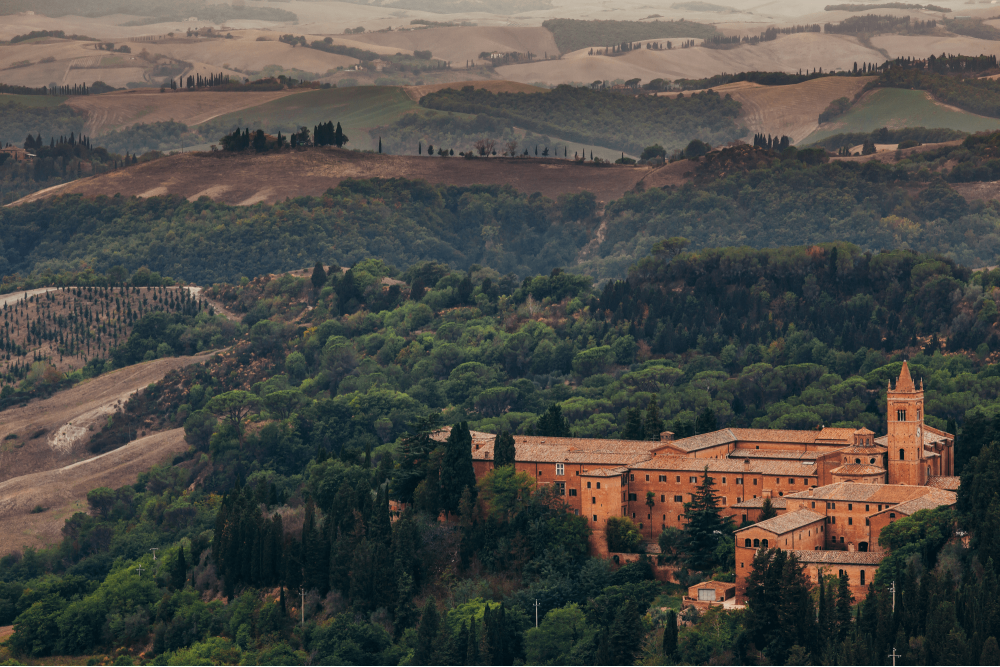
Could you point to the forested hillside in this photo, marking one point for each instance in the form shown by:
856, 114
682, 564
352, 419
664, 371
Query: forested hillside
321, 413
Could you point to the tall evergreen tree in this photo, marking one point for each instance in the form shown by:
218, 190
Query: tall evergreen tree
767, 510
179, 574
706, 422
427, 633
504, 451
633, 428
670, 634
318, 276
654, 423
456, 467
553, 424
705, 524
472, 650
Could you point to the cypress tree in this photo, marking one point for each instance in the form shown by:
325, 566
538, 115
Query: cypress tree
456, 467
318, 276
427, 632
504, 451
670, 634
472, 649
179, 574
654, 424
843, 609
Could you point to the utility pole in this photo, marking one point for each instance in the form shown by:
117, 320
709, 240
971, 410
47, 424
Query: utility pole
536, 613
892, 588
894, 655
154, 550
302, 591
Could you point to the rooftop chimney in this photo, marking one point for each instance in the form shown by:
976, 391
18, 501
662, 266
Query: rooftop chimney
666, 436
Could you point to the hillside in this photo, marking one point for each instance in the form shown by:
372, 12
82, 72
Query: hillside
248, 179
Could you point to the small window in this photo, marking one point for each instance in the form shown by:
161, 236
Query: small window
755, 482
867, 522
744, 518
862, 577
577, 473
879, 508
833, 506
593, 500
833, 519
756, 542
747, 542
598, 485
850, 521
841, 539
850, 507
678, 478
723, 480
902, 454
866, 507
595, 517
647, 478
814, 504
739, 480
561, 488
588, 485
791, 480
892, 515
763, 543
539, 473
678, 499
693, 479
663, 478
631, 478
901, 415
663, 498
631, 497
560, 469
572, 492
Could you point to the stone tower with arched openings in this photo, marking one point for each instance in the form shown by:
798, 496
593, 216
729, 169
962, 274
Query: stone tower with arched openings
905, 413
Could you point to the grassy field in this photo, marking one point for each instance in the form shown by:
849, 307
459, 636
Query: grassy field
34, 100
357, 109
896, 108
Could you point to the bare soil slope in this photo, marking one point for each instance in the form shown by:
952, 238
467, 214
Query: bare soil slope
63, 491
457, 45
53, 432
788, 53
113, 111
247, 179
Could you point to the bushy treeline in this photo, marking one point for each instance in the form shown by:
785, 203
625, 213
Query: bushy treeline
17, 121
407, 220
884, 135
574, 34
622, 122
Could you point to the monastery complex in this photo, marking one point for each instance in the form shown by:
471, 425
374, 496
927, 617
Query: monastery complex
834, 488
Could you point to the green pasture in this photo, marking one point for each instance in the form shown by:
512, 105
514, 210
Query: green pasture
357, 109
895, 108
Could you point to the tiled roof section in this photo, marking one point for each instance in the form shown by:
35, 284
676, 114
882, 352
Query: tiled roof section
834, 557
558, 454
858, 469
863, 431
874, 450
933, 498
947, 483
930, 438
605, 472
755, 467
715, 585
757, 503
704, 440
787, 454
786, 523
590, 444
866, 493
823, 436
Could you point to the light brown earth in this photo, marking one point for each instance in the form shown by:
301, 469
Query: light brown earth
63, 491
62, 424
788, 53
244, 53
921, 46
459, 44
248, 179
113, 111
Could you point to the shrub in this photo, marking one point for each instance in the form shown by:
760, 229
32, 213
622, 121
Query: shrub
622, 535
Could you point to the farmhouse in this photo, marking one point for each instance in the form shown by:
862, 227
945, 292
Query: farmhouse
834, 489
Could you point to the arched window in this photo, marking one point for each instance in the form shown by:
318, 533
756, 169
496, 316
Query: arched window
763, 543
756, 542
862, 547
747, 542
857, 460
902, 454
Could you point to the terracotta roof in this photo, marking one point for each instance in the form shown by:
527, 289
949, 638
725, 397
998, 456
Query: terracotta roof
757, 503
930, 438
715, 585
905, 382
786, 523
591, 444
788, 454
947, 483
863, 431
547, 454
755, 467
703, 440
835, 557
933, 498
866, 493
858, 469
605, 472
827, 435
874, 450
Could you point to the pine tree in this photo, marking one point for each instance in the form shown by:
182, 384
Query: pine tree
504, 450
456, 469
634, 429
767, 510
179, 574
706, 422
553, 424
843, 609
705, 524
472, 650
318, 276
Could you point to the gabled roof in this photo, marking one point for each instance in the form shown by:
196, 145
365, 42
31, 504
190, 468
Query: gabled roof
786, 523
787, 454
755, 467
605, 472
946, 483
757, 503
892, 494
933, 498
824, 436
834, 557
858, 469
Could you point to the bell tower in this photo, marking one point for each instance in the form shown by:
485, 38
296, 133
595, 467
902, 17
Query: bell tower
905, 413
